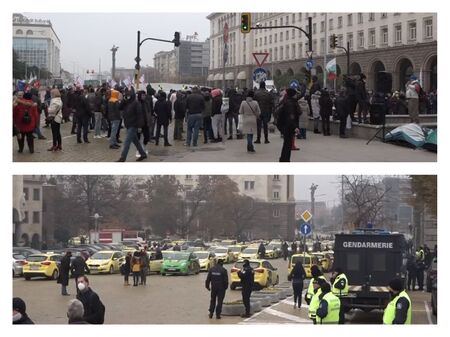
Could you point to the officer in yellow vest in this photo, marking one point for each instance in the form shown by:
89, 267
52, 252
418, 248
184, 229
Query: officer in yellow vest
316, 274
315, 300
339, 288
398, 311
329, 306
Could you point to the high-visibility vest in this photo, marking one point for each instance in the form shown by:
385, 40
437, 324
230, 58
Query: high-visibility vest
314, 304
334, 306
340, 292
389, 312
310, 291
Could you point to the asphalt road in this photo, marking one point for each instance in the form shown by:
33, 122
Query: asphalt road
177, 300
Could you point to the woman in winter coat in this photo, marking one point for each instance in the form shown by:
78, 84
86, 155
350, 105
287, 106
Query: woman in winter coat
136, 268
250, 113
316, 110
216, 114
55, 116
326, 110
297, 276
25, 119
304, 107
127, 269
163, 112
207, 122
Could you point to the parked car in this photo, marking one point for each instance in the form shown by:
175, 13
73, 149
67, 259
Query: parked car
25, 251
105, 261
18, 262
179, 263
207, 260
42, 265
265, 274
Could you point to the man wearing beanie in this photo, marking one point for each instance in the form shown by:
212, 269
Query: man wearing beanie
398, 311
19, 312
288, 122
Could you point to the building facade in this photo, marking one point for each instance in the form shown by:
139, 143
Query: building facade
399, 43
165, 62
37, 44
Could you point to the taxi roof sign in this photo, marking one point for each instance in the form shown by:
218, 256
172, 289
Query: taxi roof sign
306, 216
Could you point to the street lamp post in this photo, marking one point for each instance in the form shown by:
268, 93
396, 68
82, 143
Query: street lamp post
113, 70
96, 217
313, 189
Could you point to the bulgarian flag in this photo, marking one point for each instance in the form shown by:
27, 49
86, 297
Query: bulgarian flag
331, 69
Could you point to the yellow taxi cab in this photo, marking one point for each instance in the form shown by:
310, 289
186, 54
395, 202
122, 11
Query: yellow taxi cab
236, 250
265, 274
225, 254
307, 261
249, 253
105, 261
325, 260
155, 262
42, 265
207, 260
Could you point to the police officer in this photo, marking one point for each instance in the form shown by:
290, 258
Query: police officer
315, 300
420, 263
329, 307
398, 311
316, 274
247, 278
339, 288
218, 280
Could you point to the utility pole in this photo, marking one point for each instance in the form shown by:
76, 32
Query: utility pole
113, 70
313, 189
342, 201
325, 47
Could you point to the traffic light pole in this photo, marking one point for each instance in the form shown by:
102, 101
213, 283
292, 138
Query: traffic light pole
347, 52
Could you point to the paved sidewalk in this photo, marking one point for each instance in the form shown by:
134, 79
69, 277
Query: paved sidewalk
316, 148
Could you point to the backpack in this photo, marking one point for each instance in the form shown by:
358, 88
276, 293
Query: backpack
26, 118
276, 115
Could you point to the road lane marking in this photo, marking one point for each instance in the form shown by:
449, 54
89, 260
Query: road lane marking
286, 316
427, 309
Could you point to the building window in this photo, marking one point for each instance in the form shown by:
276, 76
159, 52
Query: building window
371, 16
330, 24
322, 46
299, 16
276, 177
281, 21
360, 39
350, 20
265, 40
428, 23
293, 18
270, 39
275, 54
287, 35
322, 26
260, 41
36, 194
275, 38
314, 28
281, 53
287, 53
25, 191
412, 31
360, 18
350, 40
398, 33
276, 195
270, 55
287, 20
281, 36
372, 40
36, 217
249, 185
256, 42
383, 15
339, 21
314, 44
19, 32
300, 50
293, 52
384, 35
25, 217
29, 32
276, 213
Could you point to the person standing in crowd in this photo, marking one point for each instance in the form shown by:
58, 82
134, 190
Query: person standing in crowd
288, 122
285, 249
78, 268
399, 309
236, 99
314, 303
19, 312
55, 110
127, 269
266, 105
41, 107
303, 120
420, 263
411, 267
315, 86
340, 288
136, 269
293, 248
163, 117
362, 99
250, 113
177, 247
247, 275
133, 118
342, 112
25, 117
98, 113
316, 275
179, 107
195, 104
216, 114
326, 110
144, 266
75, 312
329, 308
94, 310
82, 112
114, 118
64, 272
261, 250
207, 122
217, 283
412, 94
297, 275
315, 99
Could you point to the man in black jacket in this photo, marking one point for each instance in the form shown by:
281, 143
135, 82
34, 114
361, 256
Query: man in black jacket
342, 111
247, 276
265, 101
363, 100
78, 269
64, 271
288, 123
83, 114
133, 119
94, 310
19, 312
217, 283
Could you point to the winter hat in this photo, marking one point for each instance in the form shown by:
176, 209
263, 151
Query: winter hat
216, 92
19, 305
114, 96
290, 92
396, 284
413, 77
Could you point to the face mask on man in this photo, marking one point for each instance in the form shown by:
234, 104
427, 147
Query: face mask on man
81, 286
16, 317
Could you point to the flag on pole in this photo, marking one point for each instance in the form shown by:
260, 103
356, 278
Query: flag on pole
112, 83
21, 85
331, 69
127, 81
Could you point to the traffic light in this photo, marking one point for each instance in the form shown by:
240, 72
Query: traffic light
176, 39
333, 41
245, 23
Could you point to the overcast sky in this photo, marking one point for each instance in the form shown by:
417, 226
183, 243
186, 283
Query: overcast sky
86, 38
328, 189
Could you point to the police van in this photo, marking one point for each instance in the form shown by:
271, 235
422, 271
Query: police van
370, 258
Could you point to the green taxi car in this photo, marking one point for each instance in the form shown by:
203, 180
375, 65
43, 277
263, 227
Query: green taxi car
181, 263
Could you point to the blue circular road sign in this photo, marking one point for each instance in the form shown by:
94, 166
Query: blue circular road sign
305, 229
259, 75
309, 64
294, 84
